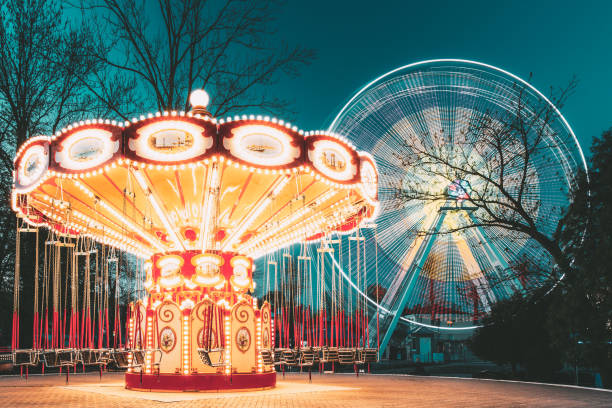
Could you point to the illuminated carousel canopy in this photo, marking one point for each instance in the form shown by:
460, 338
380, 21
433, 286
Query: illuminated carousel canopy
177, 181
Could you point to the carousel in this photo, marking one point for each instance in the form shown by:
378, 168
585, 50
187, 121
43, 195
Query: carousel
189, 201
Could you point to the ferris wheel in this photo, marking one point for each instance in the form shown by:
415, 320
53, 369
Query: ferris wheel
434, 269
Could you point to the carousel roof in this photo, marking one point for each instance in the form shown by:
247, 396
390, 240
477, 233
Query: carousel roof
182, 181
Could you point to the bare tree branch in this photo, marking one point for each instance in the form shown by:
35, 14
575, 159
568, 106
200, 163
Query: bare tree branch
170, 48
496, 153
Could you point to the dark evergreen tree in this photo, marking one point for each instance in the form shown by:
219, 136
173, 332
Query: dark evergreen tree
515, 333
581, 320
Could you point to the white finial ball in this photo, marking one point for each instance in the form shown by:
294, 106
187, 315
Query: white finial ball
199, 98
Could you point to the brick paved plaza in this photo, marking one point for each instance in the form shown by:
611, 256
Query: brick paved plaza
329, 390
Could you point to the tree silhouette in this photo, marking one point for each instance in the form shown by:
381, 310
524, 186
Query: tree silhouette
170, 48
496, 153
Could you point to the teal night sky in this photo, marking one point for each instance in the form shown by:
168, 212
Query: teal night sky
357, 41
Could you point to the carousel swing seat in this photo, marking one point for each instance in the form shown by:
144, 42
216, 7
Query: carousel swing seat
278, 356
318, 353
367, 355
25, 357
206, 354
139, 358
329, 355
61, 358
290, 357
308, 357
346, 356
120, 357
156, 357
91, 357
267, 357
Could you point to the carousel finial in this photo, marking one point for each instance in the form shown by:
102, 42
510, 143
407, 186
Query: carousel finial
199, 101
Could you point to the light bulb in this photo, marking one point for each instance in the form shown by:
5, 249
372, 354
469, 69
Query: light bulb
199, 98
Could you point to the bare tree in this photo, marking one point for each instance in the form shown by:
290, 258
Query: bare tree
171, 47
43, 67
500, 154
44, 62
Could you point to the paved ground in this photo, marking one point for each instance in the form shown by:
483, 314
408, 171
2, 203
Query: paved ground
329, 390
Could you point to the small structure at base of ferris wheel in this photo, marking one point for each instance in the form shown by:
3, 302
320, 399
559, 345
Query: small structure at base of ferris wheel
200, 198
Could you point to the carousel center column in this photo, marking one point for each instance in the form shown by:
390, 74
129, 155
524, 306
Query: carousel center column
199, 328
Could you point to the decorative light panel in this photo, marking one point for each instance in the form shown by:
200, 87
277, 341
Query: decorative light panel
32, 165
262, 145
176, 182
208, 269
333, 159
170, 141
86, 149
369, 178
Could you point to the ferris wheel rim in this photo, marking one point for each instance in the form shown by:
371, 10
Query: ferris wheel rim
464, 61
388, 75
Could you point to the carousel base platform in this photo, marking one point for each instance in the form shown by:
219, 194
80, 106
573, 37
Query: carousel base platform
199, 382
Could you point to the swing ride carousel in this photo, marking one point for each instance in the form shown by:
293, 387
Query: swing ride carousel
191, 200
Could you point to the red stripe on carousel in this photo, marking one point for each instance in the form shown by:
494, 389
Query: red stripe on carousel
308, 328
107, 326
179, 187
357, 327
35, 330
199, 382
244, 187
53, 328
117, 341
100, 327
15, 331
46, 328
